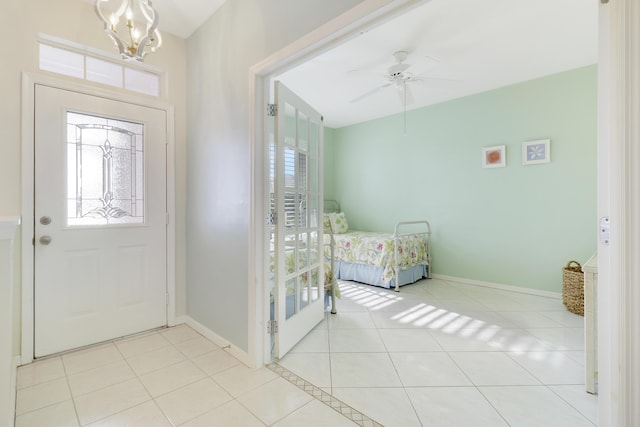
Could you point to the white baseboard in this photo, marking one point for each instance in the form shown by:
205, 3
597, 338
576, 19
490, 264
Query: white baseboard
239, 354
538, 292
12, 394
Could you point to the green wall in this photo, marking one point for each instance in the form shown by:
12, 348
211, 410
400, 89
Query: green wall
329, 186
516, 225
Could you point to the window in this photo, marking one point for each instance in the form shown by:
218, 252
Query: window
104, 70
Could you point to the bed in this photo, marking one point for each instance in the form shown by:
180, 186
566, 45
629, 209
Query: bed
388, 260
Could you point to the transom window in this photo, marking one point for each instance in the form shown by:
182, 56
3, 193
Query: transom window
103, 70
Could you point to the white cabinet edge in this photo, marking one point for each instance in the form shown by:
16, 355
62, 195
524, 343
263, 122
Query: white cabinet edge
8, 226
591, 266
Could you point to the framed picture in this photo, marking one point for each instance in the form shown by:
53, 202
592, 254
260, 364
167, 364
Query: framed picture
494, 157
536, 152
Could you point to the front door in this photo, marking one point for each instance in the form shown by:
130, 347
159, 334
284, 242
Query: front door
299, 278
100, 219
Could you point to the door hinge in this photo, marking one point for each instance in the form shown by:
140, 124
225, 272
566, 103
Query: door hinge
167, 299
272, 327
166, 218
605, 230
272, 110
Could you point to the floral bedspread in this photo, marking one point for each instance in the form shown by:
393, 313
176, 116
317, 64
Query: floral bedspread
377, 249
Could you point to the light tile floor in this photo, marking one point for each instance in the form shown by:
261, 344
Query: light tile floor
440, 353
436, 354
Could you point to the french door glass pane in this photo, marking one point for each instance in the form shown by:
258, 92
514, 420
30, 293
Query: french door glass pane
290, 125
303, 134
313, 176
304, 290
303, 257
291, 297
314, 136
315, 288
312, 211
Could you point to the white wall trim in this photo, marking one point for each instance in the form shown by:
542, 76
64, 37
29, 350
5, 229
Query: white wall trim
511, 288
171, 211
180, 320
234, 351
14, 386
619, 187
8, 227
27, 192
29, 81
625, 209
607, 351
365, 15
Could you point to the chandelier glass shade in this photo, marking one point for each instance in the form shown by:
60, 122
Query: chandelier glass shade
132, 25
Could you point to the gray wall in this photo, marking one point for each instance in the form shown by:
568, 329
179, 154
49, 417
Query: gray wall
219, 55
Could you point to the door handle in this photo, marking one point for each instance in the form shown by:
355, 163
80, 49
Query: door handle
45, 240
45, 220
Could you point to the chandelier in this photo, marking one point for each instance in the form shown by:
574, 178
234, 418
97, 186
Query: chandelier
132, 38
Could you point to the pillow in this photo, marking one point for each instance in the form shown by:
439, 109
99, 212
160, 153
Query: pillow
339, 223
326, 221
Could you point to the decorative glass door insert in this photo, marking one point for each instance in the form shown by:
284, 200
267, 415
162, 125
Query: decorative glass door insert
105, 171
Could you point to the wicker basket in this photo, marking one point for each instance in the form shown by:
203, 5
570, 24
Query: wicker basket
573, 287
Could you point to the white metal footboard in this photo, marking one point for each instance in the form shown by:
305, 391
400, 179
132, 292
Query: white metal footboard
334, 282
396, 239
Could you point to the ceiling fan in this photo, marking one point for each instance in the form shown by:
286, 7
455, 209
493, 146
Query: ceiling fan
397, 75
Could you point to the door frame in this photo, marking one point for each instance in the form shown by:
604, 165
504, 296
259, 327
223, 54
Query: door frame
361, 17
29, 81
372, 12
618, 189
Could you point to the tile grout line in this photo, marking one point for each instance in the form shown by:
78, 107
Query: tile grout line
549, 387
73, 398
336, 404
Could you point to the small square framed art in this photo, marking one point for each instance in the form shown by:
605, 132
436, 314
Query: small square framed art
494, 156
536, 152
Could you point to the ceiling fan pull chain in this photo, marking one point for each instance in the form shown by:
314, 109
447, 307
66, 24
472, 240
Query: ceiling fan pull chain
405, 107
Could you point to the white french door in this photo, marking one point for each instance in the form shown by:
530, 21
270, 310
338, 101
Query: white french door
297, 234
100, 219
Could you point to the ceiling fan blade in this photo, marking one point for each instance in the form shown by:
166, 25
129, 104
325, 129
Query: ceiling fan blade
433, 81
371, 92
423, 65
361, 72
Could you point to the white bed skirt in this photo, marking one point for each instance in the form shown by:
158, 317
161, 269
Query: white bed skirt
372, 275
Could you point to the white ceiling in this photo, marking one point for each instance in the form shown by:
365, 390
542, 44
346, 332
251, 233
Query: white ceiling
477, 45
178, 17
183, 17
